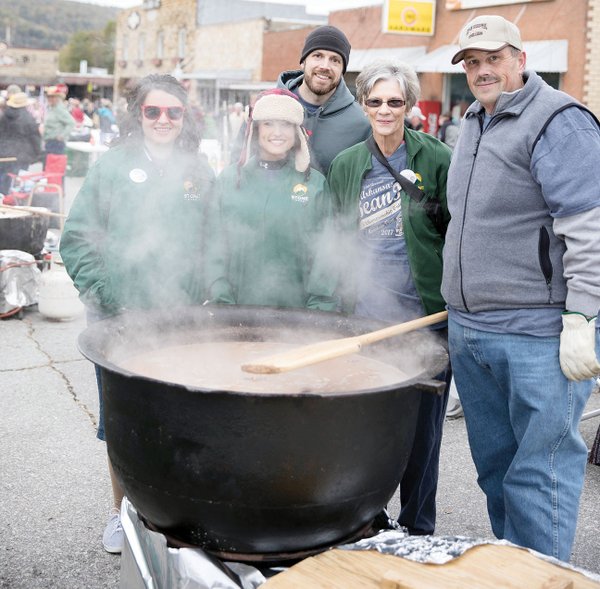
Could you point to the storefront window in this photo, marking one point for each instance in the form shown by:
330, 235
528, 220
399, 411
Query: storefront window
181, 38
160, 45
552, 79
141, 46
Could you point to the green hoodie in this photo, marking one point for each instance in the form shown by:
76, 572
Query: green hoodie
429, 159
264, 233
133, 238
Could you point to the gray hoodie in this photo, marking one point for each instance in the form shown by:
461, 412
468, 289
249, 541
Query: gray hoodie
338, 124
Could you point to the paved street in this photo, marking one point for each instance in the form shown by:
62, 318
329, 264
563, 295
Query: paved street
54, 490
54, 487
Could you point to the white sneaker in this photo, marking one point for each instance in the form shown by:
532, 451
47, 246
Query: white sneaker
112, 539
454, 409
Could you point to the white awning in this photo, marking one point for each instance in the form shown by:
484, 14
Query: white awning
542, 56
218, 75
547, 56
359, 58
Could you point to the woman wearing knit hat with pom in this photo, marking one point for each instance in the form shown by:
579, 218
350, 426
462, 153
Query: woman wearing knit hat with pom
268, 213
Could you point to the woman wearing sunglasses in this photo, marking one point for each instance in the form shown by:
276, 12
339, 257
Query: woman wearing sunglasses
270, 209
389, 194
133, 238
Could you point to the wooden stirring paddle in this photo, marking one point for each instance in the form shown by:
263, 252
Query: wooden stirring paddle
34, 210
321, 351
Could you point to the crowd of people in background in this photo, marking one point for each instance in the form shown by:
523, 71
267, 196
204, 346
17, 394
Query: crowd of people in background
99, 120
85, 111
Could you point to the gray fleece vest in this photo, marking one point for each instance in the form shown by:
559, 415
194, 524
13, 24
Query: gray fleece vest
501, 251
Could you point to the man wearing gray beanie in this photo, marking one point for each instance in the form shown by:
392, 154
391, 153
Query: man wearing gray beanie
333, 119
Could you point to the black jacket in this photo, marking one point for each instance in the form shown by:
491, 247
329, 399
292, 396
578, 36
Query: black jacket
20, 137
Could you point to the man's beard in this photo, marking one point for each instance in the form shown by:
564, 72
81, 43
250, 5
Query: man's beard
319, 90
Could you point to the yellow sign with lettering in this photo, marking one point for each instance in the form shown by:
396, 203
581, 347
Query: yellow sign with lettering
411, 18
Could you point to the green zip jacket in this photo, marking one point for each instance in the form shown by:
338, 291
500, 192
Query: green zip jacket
264, 233
429, 158
58, 123
133, 238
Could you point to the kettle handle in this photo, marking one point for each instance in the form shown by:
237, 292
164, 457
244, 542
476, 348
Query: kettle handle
431, 386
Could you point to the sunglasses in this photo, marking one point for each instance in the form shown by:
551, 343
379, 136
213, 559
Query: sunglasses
392, 102
153, 113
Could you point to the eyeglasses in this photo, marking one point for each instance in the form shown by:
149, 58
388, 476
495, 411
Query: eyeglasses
392, 102
153, 113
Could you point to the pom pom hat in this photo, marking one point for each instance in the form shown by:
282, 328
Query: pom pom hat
415, 111
488, 33
279, 105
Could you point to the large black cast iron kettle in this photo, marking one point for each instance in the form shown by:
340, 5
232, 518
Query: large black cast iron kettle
251, 473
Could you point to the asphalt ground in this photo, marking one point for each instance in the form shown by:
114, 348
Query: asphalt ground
54, 486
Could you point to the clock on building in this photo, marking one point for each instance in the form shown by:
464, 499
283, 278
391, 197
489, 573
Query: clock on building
133, 20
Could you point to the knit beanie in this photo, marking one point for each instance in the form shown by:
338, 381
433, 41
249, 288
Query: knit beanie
329, 38
278, 104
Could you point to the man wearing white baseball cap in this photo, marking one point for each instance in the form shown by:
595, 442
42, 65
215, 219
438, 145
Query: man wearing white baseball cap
488, 33
521, 268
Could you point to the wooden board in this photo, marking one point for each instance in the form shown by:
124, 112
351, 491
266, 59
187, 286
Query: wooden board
483, 567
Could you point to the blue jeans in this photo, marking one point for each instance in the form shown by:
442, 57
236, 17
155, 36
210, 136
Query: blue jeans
522, 417
92, 317
418, 486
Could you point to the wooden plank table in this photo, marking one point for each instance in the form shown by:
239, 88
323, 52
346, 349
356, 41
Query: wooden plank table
486, 566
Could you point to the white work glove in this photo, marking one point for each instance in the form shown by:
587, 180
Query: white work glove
578, 359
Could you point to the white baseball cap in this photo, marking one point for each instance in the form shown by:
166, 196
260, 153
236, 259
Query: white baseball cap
415, 111
488, 33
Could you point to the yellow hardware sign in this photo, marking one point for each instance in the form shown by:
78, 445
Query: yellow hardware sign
412, 18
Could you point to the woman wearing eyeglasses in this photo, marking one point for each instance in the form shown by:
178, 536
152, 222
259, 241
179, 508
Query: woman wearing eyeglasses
389, 194
134, 235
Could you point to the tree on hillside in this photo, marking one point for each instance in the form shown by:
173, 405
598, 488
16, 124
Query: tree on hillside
47, 24
97, 48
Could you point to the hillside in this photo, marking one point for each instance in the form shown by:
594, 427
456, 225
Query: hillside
48, 24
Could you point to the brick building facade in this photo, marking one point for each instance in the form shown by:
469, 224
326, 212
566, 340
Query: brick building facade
591, 85
23, 66
215, 47
154, 39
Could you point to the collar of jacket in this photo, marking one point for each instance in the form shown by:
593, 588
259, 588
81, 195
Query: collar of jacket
512, 103
253, 165
414, 144
339, 100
